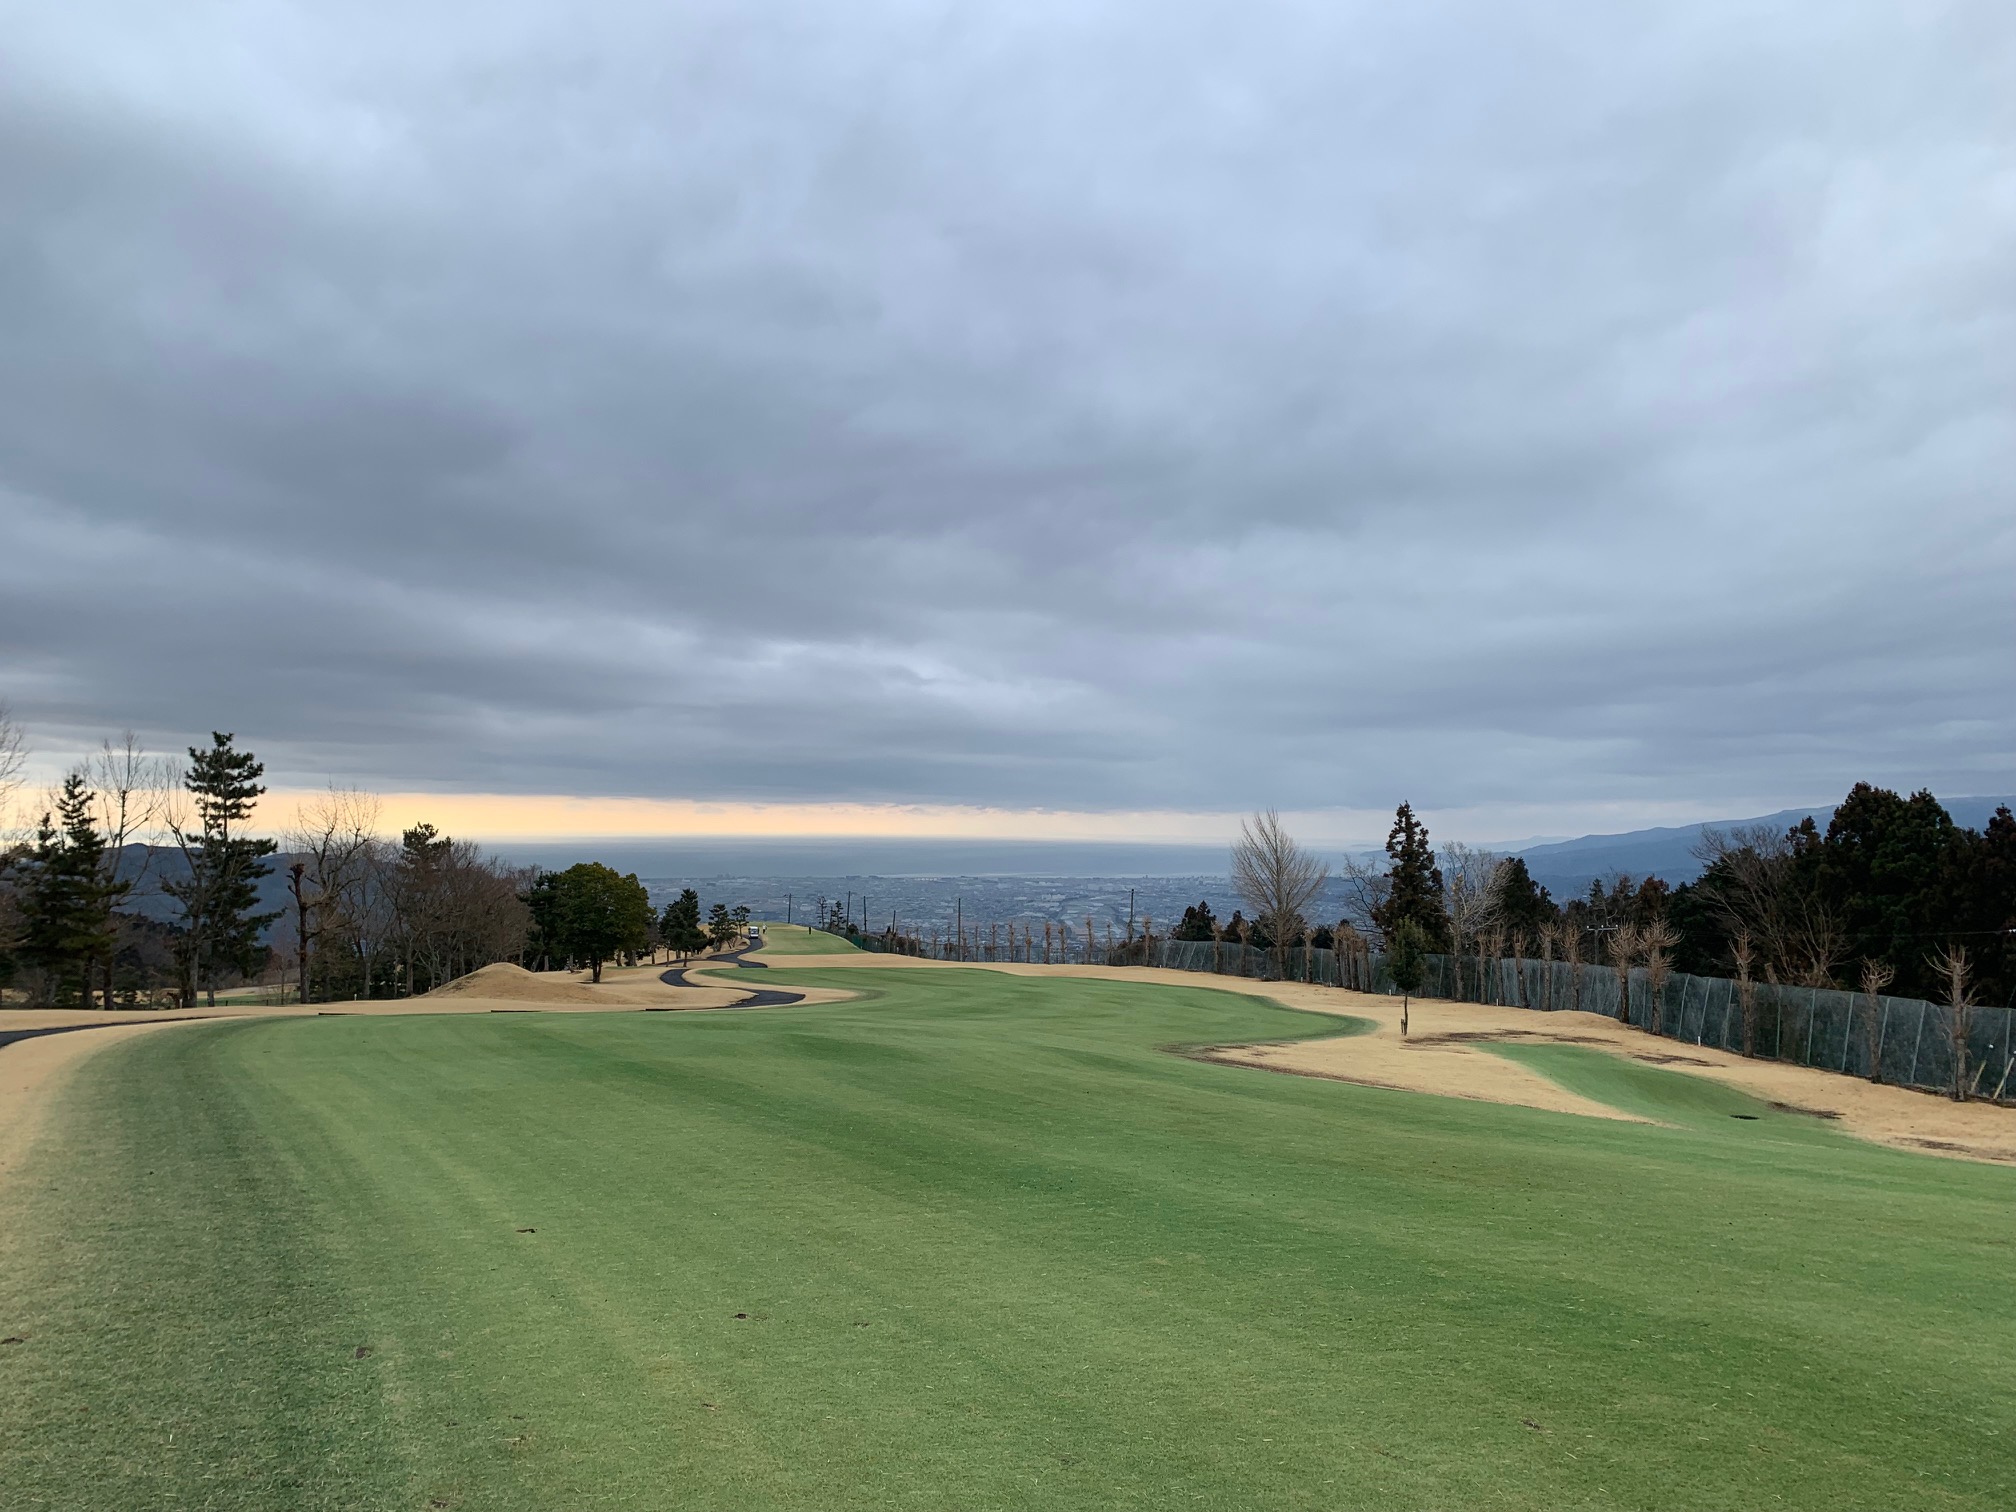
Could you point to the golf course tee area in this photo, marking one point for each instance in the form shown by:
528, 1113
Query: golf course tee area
969, 1240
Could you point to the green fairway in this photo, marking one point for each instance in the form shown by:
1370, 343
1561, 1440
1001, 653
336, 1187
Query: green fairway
796, 939
1668, 1096
975, 1241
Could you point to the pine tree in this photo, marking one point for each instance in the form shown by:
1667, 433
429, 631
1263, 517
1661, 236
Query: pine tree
68, 897
1413, 883
1406, 963
220, 932
681, 925
1524, 907
93, 888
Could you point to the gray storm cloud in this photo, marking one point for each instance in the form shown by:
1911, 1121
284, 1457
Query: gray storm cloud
1090, 406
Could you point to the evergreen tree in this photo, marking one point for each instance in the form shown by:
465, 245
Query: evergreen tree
1198, 924
1891, 870
67, 902
680, 927
1407, 962
94, 889
1413, 883
542, 900
590, 913
721, 928
1524, 906
1991, 908
220, 931
43, 925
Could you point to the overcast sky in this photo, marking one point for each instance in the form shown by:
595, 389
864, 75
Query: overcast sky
1533, 411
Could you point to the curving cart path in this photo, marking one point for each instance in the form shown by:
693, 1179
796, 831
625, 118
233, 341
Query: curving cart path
762, 998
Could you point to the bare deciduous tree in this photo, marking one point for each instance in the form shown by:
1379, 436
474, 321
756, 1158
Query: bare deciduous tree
1275, 878
1953, 965
337, 894
1351, 950
1623, 953
1876, 975
1365, 888
1474, 883
1571, 953
13, 760
132, 788
1758, 887
1655, 944
1744, 954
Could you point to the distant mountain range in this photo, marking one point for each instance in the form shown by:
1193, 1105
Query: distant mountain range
1567, 867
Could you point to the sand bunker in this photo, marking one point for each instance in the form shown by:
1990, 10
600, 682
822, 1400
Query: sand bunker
1446, 1055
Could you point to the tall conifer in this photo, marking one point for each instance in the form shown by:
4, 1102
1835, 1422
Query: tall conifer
68, 897
1413, 883
221, 890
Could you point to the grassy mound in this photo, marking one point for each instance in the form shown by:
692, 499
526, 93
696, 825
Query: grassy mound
972, 1241
796, 939
512, 983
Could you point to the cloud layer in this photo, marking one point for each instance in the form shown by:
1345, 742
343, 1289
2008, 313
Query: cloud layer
1136, 407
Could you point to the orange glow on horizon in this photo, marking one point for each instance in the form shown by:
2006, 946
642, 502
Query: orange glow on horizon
504, 817
530, 816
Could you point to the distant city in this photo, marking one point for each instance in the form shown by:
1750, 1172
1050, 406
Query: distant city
922, 884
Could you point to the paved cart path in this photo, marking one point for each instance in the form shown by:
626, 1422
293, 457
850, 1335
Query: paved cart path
676, 977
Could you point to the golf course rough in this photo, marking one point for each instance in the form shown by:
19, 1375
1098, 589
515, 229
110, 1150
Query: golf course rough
970, 1241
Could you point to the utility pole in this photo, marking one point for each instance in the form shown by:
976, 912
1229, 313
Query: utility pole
959, 924
1130, 916
787, 908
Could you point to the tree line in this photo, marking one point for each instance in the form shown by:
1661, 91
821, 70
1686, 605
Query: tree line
591, 914
364, 915
1890, 891
1892, 895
